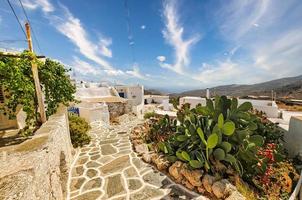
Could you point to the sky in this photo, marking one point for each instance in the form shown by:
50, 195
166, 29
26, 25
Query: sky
171, 45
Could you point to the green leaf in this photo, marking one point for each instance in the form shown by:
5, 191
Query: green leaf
219, 154
226, 146
179, 156
181, 138
201, 135
162, 147
172, 159
246, 106
229, 158
210, 105
242, 134
243, 115
220, 121
234, 104
185, 155
195, 164
228, 128
257, 139
252, 126
212, 141
199, 157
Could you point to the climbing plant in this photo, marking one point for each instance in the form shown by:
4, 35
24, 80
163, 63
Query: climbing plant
19, 89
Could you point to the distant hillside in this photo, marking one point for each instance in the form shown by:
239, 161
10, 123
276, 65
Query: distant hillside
153, 92
291, 87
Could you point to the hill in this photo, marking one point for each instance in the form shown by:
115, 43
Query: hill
284, 87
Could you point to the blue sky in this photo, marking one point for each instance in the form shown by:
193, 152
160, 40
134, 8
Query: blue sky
172, 45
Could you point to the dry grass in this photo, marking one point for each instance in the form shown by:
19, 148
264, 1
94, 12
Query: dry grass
244, 189
289, 108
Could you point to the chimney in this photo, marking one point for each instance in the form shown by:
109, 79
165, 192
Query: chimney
208, 93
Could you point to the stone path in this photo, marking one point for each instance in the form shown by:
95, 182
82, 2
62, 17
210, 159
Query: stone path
109, 169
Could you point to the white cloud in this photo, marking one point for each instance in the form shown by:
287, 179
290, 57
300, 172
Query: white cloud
84, 68
72, 28
237, 18
221, 73
256, 25
143, 27
136, 72
280, 56
104, 47
114, 72
173, 34
161, 58
268, 33
45, 5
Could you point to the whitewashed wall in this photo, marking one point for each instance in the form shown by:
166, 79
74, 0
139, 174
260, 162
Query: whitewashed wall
293, 138
193, 101
269, 107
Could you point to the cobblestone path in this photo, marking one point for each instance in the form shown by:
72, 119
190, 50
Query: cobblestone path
109, 169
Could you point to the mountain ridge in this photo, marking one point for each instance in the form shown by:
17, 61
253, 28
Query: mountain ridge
284, 87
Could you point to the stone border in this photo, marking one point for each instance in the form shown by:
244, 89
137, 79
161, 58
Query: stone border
194, 180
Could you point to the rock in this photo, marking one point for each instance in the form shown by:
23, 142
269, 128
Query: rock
130, 172
235, 196
114, 186
174, 171
161, 163
107, 149
89, 195
155, 179
207, 182
134, 184
146, 157
154, 157
146, 193
201, 189
193, 176
187, 184
137, 141
116, 165
93, 183
218, 189
229, 187
91, 173
141, 149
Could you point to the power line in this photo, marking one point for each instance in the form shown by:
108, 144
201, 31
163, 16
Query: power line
10, 5
12, 41
32, 30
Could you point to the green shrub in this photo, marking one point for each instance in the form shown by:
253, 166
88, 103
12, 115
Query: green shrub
148, 115
78, 128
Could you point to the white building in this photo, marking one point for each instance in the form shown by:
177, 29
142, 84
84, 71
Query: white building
269, 107
157, 99
193, 101
135, 96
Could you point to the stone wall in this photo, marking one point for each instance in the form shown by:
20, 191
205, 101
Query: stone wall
38, 168
118, 108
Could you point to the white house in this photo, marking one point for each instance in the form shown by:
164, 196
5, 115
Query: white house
193, 101
135, 96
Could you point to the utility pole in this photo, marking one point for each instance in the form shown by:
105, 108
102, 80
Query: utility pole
34, 70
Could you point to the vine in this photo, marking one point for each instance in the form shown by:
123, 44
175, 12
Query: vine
19, 89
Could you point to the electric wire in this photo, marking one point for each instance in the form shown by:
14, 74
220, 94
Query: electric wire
10, 5
31, 27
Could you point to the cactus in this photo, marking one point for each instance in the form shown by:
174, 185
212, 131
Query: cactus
221, 130
219, 154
